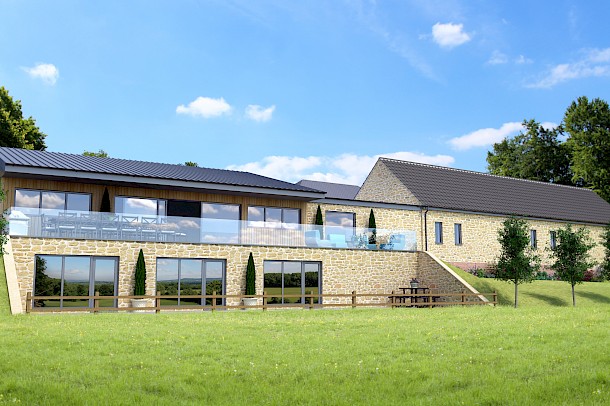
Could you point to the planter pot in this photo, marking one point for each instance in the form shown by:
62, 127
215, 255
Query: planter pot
414, 284
139, 303
250, 301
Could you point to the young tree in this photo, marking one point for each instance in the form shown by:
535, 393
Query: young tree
517, 263
572, 256
373, 227
16, 131
588, 124
319, 221
140, 277
606, 263
250, 277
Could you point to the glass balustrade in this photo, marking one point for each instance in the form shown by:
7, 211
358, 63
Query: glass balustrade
137, 227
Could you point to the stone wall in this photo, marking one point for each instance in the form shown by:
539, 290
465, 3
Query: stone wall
382, 186
343, 270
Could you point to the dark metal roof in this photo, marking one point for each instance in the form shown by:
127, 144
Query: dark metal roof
333, 190
436, 186
15, 157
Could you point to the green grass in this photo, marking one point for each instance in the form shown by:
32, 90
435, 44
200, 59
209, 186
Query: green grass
477, 355
5, 308
541, 293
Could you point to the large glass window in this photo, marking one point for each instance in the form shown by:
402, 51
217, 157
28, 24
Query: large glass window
184, 277
339, 222
51, 200
63, 275
273, 217
220, 223
282, 278
140, 206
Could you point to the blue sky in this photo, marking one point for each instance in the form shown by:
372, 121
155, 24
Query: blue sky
299, 89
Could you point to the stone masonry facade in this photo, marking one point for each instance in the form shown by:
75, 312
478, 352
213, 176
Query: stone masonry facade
382, 186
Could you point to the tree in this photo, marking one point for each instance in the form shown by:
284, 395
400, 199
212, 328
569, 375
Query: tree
588, 124
140, 277
373, 227
319, 221
572, 256
190, 163
105, 205
536, 154
517, 263
100, 154
3, 224
606, 264
250, 276
16, 131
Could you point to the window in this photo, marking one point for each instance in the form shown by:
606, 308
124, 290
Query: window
457, 230
220, 223
339, 222
283, 278
62, 275
438, 232
553, 239
273, 217
50, 200
140, 206
182, 277
533, 241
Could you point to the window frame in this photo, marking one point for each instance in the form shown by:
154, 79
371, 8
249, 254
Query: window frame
274, 224
41, 191
156, 199
92, 270
303, 264
533, 239
204, 278
438, 232
457, 231
553, 239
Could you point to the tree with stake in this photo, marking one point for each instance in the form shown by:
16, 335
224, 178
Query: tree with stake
572, 256
517, 263
373, 227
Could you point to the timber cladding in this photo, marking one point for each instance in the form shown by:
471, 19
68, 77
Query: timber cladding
10, 184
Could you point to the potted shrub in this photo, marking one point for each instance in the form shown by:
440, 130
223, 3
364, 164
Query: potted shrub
250, 283
414, 283
140, 282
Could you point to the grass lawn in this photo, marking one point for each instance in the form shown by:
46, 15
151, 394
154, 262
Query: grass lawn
537, 354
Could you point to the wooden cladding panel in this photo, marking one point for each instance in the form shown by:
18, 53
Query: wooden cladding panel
10, 184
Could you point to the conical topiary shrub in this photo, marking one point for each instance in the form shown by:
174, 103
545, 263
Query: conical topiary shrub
319, 221
105, 206
140, 278
373, 227
250, 276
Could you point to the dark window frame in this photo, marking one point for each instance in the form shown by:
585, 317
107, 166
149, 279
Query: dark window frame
141, 198
41, 191
204, 278
533, 239
553, 239
303, 300
457, 231
438, 232
282, 223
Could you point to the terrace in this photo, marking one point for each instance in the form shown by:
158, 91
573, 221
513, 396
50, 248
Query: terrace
47, 223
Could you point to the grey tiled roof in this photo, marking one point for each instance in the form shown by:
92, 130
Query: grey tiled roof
448, 188
141, 169
333, 190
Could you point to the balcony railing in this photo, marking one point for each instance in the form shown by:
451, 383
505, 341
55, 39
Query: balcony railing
137, 227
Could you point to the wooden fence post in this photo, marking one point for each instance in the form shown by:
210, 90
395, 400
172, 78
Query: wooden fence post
353, 299
463, 298
392, 299
158, 302
28, 302
96, 303
495, 296
213, 300
264, 300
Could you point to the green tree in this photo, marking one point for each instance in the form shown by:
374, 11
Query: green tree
606, 263
517, 263
140, 277
16, 131
572, 255
319, 221
588, 124
373, 227
100, 154
250, 277
190, 163
3, 224
536, 154
105, 205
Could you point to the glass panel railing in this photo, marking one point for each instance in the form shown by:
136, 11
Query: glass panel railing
138, 227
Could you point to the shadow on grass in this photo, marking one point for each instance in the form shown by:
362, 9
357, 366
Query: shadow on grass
596, 297
483, 286
551, 300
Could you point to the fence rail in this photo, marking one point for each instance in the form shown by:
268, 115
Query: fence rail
310, 301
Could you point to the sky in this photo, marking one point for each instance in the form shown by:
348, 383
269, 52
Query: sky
300, 89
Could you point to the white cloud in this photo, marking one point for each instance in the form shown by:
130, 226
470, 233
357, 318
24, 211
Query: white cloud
593, 63
258, 113
497, 58
449, 35
346, 168
47, 72
485, 136
521, 59
205, 107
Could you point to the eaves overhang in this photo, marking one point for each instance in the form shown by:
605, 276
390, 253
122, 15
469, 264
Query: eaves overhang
10, 170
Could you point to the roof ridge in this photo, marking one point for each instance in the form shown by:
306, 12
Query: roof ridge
483, 173
331, 183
